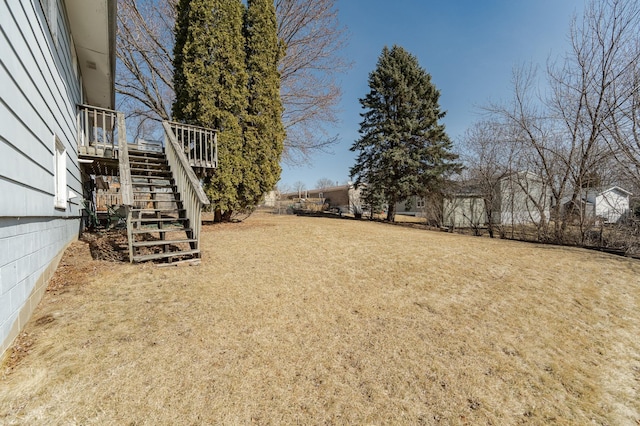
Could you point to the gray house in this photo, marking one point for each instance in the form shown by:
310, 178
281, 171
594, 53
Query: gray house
55, 55
519, 198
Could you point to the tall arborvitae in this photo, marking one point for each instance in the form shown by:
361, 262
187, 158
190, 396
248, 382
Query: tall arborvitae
210, 82
264, 131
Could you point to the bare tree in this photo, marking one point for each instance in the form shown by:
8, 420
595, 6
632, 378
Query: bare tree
145, 50
311, 35
535, 141
300, 187
623, 102
488, 156
324, 183
566, 136
283, 188
314, 38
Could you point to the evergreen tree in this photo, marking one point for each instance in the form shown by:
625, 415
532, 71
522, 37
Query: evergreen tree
403, 149
210, 81
264, 132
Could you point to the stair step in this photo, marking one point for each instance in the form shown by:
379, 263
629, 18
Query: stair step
154, 155
150, 231
146, 200
158, 219
144, 164
141, 210
144, 173
145, 154
162, 242
155, 256
149, 191
149, 161
158, 185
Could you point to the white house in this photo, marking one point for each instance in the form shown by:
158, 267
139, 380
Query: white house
55, 55
611, 203
605, 204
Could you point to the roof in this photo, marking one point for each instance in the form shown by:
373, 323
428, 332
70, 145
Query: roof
614, 188
93, 28
319, 190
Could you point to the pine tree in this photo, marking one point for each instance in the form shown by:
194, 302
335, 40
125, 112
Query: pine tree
210, 82
264, 132
403, 149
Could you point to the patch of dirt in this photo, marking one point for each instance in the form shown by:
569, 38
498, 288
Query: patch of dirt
110, 245
74, 270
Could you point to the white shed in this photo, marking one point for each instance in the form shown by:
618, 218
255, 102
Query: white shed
610, 204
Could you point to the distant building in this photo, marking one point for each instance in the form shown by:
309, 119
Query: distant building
520, 198
341, 198
607, 205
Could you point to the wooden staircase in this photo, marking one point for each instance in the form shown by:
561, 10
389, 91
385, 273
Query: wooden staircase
159, 228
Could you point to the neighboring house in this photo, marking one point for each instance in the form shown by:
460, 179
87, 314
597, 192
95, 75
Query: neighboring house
270, 199
344, 198
520, 198
55, 55
413, 206
608, 205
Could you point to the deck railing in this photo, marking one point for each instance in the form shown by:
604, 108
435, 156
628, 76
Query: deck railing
192, 194
97, 131
199, 144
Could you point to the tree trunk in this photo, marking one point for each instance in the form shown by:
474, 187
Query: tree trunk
226, 216
391, 212
488, 209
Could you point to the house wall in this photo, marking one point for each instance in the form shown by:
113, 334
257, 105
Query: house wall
523, 200
41, 86
611, 204
464, 212
413, 206
337, 196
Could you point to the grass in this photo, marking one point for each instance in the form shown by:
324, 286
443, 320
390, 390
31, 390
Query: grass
292, 320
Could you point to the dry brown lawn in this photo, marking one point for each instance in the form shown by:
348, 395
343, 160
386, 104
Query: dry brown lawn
292, 320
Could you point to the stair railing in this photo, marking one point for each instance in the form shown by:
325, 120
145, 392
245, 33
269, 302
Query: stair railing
199, 144
126, 187
192, 194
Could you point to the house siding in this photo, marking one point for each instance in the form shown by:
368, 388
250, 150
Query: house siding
30, 249
464, 212
611, 205
523, 200
40, 90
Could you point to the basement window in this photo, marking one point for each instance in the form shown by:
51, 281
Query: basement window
60, 175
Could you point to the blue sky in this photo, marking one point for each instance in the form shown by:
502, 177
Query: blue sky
469, 47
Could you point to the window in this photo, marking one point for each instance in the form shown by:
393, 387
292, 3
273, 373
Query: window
420, 203
60, 174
